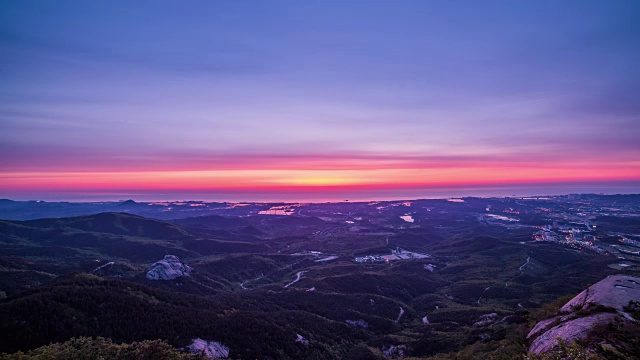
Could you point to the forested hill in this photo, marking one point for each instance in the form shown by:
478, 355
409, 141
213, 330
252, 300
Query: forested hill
423, 278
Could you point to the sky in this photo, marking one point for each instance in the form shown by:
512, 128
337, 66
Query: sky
320, 100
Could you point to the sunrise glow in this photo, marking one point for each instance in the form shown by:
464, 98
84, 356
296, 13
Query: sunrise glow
334, 100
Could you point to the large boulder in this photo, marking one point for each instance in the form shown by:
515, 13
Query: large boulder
615, 291
582, 318
212, 349
168, 268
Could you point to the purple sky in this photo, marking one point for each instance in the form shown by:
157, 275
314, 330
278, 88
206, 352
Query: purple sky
311, 93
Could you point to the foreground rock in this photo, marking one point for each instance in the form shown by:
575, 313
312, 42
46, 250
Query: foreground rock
167, 269
212, 349
598, 317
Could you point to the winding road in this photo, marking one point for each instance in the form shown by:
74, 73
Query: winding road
298, 277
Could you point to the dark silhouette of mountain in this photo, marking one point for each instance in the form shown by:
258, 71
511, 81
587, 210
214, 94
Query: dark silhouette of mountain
213, 222
128, 203
114, 223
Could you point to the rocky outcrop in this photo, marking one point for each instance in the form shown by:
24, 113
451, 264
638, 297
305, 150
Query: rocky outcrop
615, 291
604, 303
486, 319
167, 269
212, 349
358, 323
394, 351
301, 339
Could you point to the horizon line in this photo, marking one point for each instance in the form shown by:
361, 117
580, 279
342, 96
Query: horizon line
289, 201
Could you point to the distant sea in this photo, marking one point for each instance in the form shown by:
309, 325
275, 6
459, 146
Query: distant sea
330, 195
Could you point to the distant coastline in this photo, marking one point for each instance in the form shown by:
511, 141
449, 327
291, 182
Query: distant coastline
331, 196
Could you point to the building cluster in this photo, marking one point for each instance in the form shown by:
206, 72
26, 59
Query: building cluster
369, 258
573, 238
631, 242
397, 254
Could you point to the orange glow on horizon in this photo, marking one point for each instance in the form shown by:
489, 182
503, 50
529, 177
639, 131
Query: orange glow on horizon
305, 179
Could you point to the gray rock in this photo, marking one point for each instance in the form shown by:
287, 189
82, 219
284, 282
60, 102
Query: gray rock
168, 268
301, 339
395, 351
614, 291
602, 303
571, 330
212, 349
486, 319
546, 324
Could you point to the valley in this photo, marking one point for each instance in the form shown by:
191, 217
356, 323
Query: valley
351, 279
